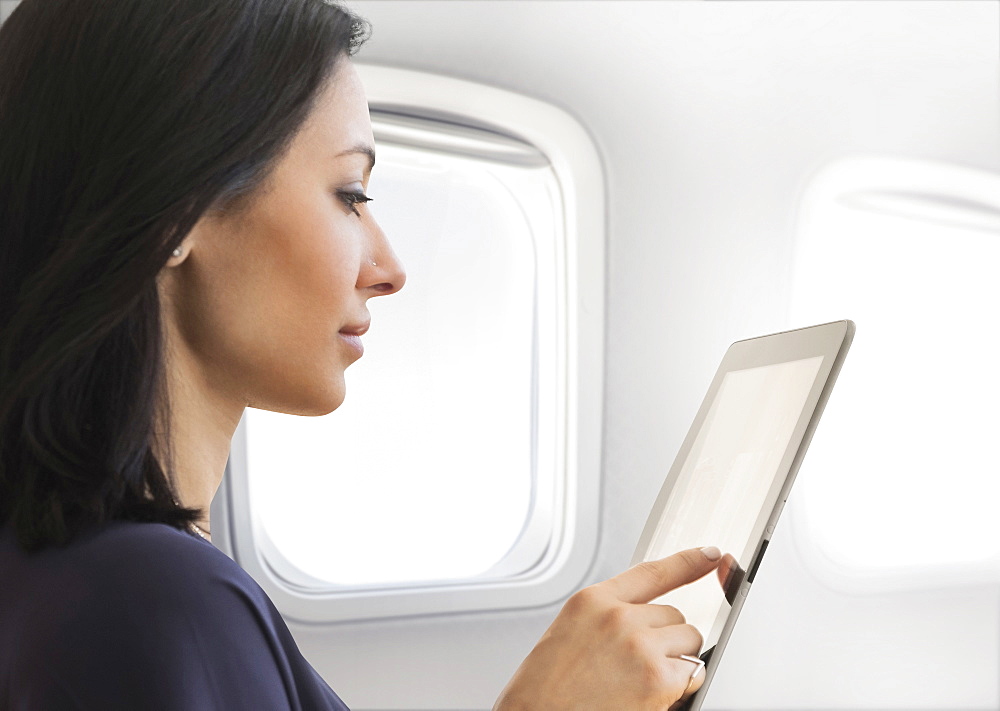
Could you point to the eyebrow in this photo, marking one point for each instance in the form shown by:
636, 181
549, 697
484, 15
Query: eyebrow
364, 150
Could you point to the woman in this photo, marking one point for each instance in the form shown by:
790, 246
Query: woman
184, 234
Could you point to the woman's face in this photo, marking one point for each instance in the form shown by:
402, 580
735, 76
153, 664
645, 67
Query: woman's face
258, 305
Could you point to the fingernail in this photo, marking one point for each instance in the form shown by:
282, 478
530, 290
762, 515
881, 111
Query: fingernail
712, 553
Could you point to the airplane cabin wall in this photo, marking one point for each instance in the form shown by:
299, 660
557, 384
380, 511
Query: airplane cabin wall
710, 119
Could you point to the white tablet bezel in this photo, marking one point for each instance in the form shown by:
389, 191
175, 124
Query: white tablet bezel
830, 340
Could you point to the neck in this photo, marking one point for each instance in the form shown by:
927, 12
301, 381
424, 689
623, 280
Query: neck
202, 423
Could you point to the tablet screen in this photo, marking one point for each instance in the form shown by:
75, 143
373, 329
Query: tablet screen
729, 483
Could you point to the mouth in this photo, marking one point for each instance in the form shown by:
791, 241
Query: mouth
352, 336
358, 330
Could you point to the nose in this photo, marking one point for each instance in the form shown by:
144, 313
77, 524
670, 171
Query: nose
383, 273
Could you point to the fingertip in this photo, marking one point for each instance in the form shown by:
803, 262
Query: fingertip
712, 553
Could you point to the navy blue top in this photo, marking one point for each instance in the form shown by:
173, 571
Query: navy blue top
144, 616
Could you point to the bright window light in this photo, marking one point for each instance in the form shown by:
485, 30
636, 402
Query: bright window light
902, 479
462, 473
432, 468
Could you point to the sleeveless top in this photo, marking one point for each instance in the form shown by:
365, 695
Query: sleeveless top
144, 616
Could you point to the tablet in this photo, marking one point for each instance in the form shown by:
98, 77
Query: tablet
735, 468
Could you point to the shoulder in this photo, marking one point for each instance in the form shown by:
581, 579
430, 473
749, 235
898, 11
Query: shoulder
136, 583
161, 567
156, 547
126, 566
175, 618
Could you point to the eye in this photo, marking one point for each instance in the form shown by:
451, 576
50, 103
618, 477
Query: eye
352, 198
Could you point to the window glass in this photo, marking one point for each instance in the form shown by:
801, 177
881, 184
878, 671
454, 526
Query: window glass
902, 479
431, 469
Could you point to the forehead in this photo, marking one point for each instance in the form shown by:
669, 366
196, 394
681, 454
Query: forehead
339, 120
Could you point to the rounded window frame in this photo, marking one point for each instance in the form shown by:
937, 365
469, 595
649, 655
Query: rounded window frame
574, 159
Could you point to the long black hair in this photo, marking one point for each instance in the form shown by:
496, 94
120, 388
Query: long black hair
122, 122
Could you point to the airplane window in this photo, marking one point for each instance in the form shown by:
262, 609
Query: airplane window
429, 469
902, 481
462, 470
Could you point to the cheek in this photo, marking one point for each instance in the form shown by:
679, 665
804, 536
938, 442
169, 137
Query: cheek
225, 312
262, 311
317, 285
296, 356
308, 246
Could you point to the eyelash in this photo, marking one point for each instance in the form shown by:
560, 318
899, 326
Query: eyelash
351, 199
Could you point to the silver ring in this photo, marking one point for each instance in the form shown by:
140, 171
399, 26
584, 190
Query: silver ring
697, 669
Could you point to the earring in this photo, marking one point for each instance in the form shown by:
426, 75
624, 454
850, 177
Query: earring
374, 264
177, 252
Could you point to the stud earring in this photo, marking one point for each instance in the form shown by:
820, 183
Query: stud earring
374, 264
177, 252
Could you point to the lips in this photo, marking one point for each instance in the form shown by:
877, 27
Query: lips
358, 330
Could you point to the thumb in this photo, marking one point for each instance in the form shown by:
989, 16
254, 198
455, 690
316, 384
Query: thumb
647, 581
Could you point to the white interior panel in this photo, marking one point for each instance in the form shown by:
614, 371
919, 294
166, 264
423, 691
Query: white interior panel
711, 119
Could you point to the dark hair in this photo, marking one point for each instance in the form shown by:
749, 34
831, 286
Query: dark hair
122, 122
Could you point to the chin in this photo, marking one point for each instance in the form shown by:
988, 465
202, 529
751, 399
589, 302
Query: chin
324, 402
334, 396
314, 402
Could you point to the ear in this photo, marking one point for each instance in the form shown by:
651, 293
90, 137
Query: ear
189, 242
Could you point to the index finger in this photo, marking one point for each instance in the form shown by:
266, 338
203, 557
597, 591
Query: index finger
647, 581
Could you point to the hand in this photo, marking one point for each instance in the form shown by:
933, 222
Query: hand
608, 649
